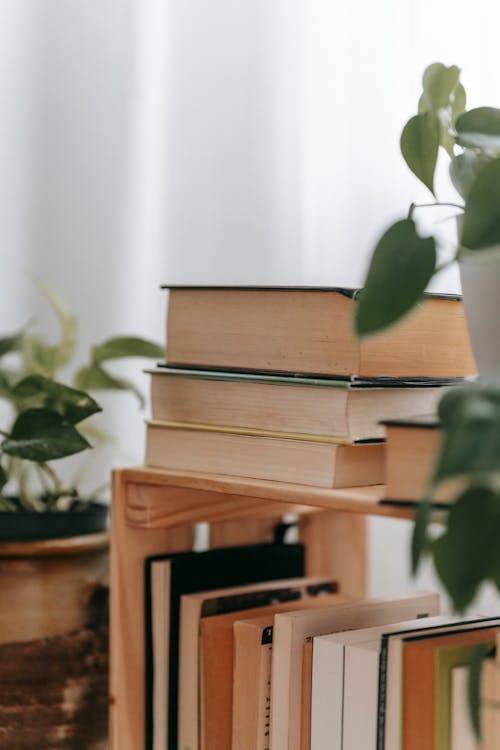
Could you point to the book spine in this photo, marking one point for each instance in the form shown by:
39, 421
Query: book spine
264, 721
382, 694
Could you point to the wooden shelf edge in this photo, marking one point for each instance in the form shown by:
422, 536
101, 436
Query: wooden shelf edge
363, 500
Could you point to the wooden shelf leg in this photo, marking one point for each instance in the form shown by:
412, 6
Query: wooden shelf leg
336, 545
129, 547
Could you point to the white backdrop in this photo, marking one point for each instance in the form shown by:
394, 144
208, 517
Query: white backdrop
201, 141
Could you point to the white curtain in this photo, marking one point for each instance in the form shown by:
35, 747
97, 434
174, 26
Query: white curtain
211, 141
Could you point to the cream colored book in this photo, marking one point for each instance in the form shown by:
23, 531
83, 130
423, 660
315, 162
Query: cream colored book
342, 408
290, 631
217, 668
197, 607
329, 676
316, 463
309, 330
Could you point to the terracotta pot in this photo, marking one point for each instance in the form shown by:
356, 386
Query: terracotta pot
480, 277
54, 644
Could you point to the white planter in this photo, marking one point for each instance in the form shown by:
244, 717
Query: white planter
480, 277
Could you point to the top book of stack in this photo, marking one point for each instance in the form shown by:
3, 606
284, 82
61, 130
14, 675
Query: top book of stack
304, 330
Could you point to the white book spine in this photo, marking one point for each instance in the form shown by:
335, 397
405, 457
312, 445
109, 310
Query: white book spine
327, 695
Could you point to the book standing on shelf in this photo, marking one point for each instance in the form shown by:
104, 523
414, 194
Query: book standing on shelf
290, 632
196, 608
217, 665
167, 578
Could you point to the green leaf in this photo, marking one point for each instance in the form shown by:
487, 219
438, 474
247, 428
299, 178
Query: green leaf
481, 222
401, 267
72, 404
3, 477
7, 380
465, 169
439, 83
10, 344
470, 420
96, 378
127, 346
419, 146
420, 543
63, 352
42, 435
480, 128
459, 102
479, 653
468, 554
38, 357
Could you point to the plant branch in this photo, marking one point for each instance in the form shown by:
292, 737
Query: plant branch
436, 204
53, 476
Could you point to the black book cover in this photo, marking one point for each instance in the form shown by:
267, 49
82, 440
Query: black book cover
202, 571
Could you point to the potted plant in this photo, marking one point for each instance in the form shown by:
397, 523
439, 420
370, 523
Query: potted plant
404, 261
53, 545
466, 553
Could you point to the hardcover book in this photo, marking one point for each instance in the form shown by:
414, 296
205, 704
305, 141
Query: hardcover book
290, 632
309, 331
412, 448
347, 409
321, 463
196, 608
217, 665
167, 578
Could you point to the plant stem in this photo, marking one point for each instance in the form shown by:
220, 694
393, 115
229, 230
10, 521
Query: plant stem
437, 204
53, 476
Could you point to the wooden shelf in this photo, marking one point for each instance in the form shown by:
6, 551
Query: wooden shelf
170, 498
153, 512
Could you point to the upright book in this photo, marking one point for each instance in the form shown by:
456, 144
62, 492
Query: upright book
290, 632
167, 578
196, 608
309, 330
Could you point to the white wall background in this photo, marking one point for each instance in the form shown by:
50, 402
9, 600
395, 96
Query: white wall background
150, 141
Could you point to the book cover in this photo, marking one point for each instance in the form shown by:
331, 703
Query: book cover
290, 631
390, 689
217, 665
196, 608
329, 674
419, 682
199, 571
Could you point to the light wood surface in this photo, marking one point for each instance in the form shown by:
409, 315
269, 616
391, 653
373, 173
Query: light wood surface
365, 500
153, 512
336, 545
129, 548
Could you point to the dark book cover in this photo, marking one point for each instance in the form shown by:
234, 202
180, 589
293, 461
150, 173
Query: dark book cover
352, 292
349, 382
202, 571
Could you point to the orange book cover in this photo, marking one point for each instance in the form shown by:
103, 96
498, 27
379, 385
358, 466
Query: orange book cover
419, 695
217, 644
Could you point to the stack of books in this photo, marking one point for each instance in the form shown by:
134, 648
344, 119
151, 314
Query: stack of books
242, 651
291, 664
271, 383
